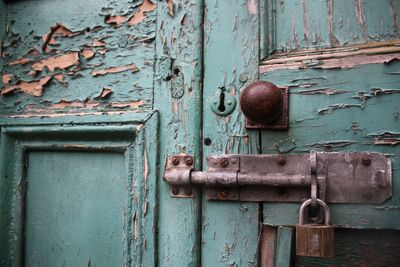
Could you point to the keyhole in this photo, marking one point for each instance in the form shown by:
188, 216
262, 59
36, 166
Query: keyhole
221, 106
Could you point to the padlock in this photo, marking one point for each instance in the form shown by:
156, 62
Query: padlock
314, 240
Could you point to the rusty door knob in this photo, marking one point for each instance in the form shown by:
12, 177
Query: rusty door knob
261, 102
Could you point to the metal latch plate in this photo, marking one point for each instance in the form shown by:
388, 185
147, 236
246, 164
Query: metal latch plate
352, 177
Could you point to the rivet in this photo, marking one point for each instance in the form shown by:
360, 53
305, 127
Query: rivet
189, 161
223, 194
175, 190
233, 161
224, 162
281, 160
188, 191
366, 161
229, 103
175, 160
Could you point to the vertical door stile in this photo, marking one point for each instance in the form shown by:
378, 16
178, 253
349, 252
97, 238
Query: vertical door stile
177, 96
230, 230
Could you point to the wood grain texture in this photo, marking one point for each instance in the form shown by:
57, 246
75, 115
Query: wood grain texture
177, 95
317, 24
360, 248
231, 51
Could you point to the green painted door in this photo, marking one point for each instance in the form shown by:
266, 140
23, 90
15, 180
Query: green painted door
339, 61
96, 94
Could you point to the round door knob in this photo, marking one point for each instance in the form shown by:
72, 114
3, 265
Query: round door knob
262, 102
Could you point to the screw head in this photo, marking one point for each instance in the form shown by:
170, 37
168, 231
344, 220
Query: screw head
223, 194
189, 161
188, 191
281, 160
224, 162
366, 161
175, 160
175, 190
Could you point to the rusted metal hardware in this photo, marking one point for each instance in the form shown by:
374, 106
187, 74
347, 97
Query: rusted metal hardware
315, 240
265, 106
339, 177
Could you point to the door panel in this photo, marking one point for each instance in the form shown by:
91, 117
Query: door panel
78, 195
72, 214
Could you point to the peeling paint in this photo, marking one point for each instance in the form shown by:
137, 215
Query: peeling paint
145, 7
325, 91
131, 67
385, 138
59, 62
34, 88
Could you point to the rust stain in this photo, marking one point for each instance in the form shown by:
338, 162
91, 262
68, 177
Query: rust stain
131, 104
88, 53
58, 62
59, 77
105, 93
117, 21
146, 6
34, 88
7, 78
131, 67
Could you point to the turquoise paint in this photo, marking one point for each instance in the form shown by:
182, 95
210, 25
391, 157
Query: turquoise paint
29, 21
3, 15
230, 231
284, 246
123, 152
179, 63
343, 129
78, 218
305, 24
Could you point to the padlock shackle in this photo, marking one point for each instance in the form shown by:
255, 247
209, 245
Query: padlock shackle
319, 202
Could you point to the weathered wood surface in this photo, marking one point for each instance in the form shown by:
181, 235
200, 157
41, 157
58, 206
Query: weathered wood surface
332, 23
177, 95
377, 248
58, 61
230, 233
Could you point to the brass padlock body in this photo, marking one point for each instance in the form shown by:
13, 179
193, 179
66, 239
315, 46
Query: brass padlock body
315, 240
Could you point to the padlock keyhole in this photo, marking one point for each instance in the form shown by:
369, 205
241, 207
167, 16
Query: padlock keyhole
221, 106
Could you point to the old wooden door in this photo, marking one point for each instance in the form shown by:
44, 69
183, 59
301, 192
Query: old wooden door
339, 61
95, 95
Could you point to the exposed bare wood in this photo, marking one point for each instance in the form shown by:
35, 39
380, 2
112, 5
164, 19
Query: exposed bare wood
59, 62
131, 67
343, 57
34, 88
138, 17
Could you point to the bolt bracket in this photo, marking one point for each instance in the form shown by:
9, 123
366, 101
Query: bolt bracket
348, 177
